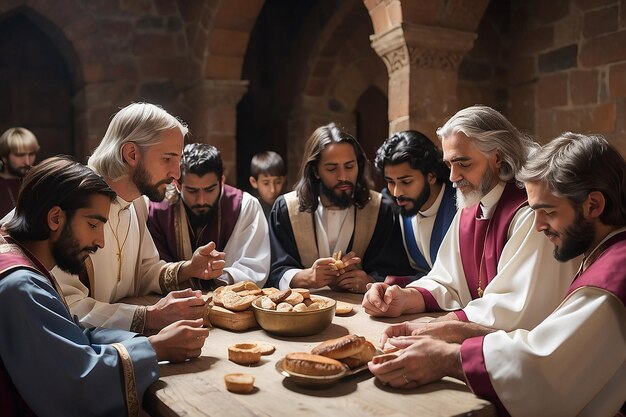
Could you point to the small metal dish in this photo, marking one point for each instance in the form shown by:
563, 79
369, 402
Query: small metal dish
309, 380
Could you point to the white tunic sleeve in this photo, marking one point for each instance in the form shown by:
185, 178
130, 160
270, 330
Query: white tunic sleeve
139, 261
248, 248
573, 363
529, 284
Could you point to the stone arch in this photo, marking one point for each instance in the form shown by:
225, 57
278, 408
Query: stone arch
219, 88
74, 36
339, 68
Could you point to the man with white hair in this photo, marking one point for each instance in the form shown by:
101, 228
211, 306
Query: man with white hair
491, 265
573, 363
139, 155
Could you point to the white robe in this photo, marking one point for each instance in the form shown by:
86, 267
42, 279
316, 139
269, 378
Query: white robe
102, 309
248, 248
529, 284
573, 363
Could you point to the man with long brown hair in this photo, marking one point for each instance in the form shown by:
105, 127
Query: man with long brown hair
331, 211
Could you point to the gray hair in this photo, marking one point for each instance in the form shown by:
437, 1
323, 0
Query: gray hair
573, 165
492, 132
139, 123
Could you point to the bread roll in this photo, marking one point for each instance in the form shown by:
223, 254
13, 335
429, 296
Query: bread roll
313, 365
239, 383
339, 348
244, 353
279, 297
362, 357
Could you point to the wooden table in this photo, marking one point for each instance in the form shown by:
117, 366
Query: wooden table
196, 387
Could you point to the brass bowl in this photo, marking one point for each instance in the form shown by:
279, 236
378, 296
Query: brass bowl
290, 323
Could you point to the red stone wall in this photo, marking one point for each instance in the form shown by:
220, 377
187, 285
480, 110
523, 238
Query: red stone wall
567, 67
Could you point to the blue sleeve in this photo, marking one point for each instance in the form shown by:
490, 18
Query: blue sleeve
55, 365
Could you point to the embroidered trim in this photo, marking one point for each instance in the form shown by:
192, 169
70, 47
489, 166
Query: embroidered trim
128, 372
138, 324
168, 279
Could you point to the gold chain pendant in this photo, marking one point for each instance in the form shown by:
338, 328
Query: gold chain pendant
480, 292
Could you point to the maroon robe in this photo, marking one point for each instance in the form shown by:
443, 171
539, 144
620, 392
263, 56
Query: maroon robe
9, 189
481, 241
162, 224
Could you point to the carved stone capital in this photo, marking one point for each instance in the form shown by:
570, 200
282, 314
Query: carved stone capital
426, 47
213, 93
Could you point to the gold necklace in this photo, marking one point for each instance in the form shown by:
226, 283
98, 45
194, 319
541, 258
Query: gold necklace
120, 247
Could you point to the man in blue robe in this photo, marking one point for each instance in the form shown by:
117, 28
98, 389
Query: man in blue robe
50, 365
418, 184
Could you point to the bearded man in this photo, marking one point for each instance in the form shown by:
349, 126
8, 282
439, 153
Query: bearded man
139, 155
204, 209
18, 151
331, 211
491, 265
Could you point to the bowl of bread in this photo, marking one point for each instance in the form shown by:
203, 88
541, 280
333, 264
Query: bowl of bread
294, 312
328, 362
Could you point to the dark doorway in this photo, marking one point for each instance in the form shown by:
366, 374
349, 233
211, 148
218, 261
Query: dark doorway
372, 125
35, 86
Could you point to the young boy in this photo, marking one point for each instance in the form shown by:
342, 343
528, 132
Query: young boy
267, 177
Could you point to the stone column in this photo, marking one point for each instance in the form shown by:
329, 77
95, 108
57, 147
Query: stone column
213, 105
422, 62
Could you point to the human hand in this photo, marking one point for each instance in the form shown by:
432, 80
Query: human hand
451, 331
382, 300
422, 360
207, 263
396, 330
323, 272
180, 340
353, 279
177, 305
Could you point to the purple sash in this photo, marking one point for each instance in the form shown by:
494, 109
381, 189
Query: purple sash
608, 272
481, 241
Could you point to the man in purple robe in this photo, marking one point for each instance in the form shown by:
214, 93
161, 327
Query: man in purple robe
204, 209
490, 266
573, 363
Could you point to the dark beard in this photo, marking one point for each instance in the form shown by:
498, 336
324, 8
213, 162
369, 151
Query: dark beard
576, 239
141, 179
19, 172
198, 221
417, 202
67, 252
343, 200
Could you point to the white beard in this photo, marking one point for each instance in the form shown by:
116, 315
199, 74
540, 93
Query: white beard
467, 200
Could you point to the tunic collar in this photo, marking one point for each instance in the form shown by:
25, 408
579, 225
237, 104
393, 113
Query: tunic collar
490, 200
432, 210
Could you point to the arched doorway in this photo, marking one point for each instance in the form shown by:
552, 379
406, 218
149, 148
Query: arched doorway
35, 86
372, 126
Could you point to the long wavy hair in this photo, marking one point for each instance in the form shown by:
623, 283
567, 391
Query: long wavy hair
491, 132
308, 185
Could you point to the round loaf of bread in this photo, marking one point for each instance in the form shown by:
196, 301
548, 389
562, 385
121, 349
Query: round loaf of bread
240, 383
340, 348
313, 365
244, 353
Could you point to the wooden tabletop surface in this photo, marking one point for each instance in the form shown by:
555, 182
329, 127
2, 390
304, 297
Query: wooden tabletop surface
196, 387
